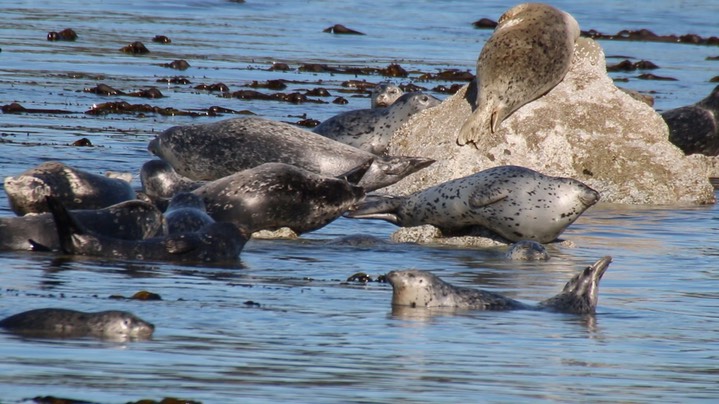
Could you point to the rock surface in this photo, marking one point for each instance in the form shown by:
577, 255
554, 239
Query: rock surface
585, 128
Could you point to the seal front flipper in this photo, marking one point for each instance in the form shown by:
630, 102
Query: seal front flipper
488, 195
470, 131
378, 207
580, 294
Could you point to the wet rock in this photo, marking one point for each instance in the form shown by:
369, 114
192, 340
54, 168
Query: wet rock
215, 110
221, 87
645, 98
151, 92
295, 98
448, 90
318, 92
360, 85
174, 80
84, 142
145, 295
340, 101
283, 67
712, 58
166, 400
308, 123
180, 64
161, 39
58, 400
360, 277
269, 84
449, 75
714, 79
122, 107
16, 108
646, 35
650, 76
411, 88
65, 35
341, 29
628, 66
394, 70
584, 128
103, 89
135, 48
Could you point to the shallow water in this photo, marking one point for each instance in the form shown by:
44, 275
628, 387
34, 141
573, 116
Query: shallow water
315, 337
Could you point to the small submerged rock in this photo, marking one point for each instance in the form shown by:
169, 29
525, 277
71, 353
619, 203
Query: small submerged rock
135, 48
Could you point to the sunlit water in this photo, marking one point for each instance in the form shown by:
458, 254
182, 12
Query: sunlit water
314, 337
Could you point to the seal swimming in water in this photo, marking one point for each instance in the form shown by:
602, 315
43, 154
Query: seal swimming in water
371, 129
65, 323
695, 128
276, 195
528, 54
186, 213
416, 288
215, 150
220, 241
514, 202
160, 180
384, 94
527, 250
77, 189
130, 220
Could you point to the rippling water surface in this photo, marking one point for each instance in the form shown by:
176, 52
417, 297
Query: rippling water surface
314, 337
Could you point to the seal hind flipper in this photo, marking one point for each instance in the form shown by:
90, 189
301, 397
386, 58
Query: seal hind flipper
65, 223
580, 294
378, 207
35, 246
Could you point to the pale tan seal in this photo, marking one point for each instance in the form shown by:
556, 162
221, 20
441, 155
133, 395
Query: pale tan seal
528, 54
384, 94
417, 288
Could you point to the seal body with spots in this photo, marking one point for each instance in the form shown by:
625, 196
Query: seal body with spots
514, 202
276, 195
130, 220
695, 128
212, 151
77, 189
160, 181
416, 288
186, 212
371, 129
65, 323
528, 54
384, 94
215, 242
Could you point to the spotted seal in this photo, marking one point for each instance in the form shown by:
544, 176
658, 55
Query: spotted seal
527, 250
276, 195
65, 323
159, 180
221, 241
77, 189
528, 54
514, 202
371, 130
130, 220
186, 212
215, 150
384, 94
416, 288
695, 128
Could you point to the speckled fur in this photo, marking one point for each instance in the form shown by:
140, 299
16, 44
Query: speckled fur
514, 202
371, 129
384, 94
695, 128
186, 213
528, 54
416, 288
215, 150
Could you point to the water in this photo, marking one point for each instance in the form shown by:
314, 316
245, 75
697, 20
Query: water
313, 337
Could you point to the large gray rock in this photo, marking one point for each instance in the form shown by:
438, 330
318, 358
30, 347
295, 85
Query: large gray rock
585, 128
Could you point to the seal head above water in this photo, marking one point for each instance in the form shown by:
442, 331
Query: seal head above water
695, 128
384, 94
416, 288
528, 54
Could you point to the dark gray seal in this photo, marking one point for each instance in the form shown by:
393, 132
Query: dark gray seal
695, 128
129, 220
77, 189
216, 242
371, 130
160, 181
64, 323
215, 150
514, 202
276, 195
527, 250
384, 94
417, 288
186, 213
528, 54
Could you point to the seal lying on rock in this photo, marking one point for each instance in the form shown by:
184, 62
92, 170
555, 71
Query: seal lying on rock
130, 220
417, 288
275, 195
220, 241
528, 54
76, 189
384, 94
215, 150
514, 202
64, 323
695, 128
371, 129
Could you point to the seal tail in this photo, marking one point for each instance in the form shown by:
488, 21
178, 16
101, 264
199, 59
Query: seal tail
378, 207
581, 293
65, 223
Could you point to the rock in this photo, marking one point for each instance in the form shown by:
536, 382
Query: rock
584, 128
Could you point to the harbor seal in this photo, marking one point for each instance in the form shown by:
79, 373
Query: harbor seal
527, 250
160, 181
514, 202
212, 151
695, 128
528, 54
276, 195
77, 189
371, 130
416, 288
384, 94
220, 241
186, 212
129, 220
65, 323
